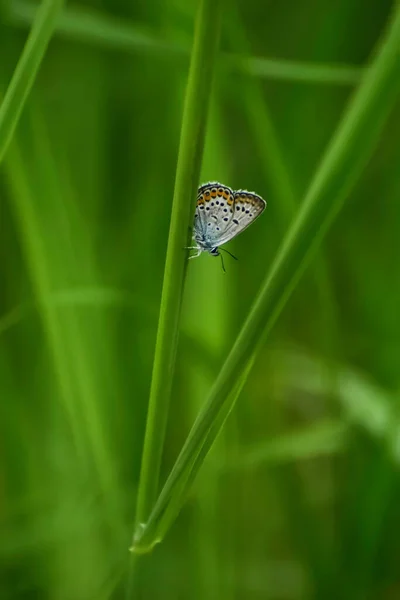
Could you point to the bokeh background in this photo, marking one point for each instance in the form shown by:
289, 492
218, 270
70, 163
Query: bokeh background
299, 499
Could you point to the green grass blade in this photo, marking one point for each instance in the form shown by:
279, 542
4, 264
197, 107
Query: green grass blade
187, 175
26, 70
262, 128
94, 27
364, 404
192, 468
327, 436
290, 70
66, 337
208, 536
344, 160
75, 339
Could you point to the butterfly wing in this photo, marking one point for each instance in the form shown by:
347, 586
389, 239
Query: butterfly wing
247, 206
214, 209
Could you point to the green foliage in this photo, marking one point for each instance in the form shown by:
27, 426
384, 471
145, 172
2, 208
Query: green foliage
247, 420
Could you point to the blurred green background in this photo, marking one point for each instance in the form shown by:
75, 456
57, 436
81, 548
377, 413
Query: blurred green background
299, 499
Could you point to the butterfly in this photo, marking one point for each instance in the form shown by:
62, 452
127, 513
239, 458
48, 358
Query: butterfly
221, 214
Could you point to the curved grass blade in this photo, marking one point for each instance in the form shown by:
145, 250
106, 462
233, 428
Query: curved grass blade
343, 162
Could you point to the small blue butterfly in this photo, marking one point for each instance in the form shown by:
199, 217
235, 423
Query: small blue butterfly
221, 214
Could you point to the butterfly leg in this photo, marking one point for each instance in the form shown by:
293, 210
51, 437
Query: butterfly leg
194, 248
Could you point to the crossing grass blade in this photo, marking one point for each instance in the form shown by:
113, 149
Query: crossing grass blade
97, 28
344, 160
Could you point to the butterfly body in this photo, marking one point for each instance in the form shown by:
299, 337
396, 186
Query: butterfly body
221, 214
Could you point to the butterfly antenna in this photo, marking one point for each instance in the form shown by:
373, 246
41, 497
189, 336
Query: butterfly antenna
230, 253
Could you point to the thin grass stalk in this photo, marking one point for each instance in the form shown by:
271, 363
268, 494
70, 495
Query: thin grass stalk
187, 175
25, 72
342, 164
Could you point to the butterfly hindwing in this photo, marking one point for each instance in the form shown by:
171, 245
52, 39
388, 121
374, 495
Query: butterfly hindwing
247, 206
214, 209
